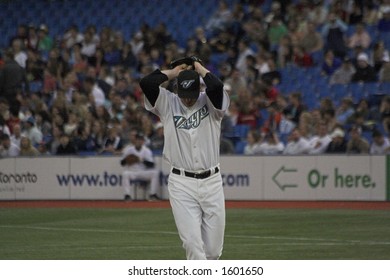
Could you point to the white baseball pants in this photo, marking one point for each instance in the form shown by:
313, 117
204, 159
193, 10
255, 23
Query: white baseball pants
151, 175
198, 207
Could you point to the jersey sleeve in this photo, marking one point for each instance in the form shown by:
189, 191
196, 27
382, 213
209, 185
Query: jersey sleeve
162, 104
150, 85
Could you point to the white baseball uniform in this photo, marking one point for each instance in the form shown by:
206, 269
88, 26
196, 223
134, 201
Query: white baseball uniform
138, 171
192, 138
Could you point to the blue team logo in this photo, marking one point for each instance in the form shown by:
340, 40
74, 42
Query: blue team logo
193, 121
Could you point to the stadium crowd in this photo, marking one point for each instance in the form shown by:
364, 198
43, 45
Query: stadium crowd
80, 94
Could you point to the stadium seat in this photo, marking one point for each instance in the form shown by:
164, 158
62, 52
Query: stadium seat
384, 88
241, 130
357, 91
371, 88
338, 91
239, 147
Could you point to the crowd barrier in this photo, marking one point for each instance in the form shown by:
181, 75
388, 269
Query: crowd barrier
322, 177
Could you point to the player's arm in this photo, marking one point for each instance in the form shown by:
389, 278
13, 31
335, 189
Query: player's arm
150, 84
214, 86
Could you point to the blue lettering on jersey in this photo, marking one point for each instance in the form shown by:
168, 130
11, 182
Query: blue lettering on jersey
193, 121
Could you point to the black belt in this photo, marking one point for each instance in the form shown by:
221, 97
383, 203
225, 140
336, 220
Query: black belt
202, 175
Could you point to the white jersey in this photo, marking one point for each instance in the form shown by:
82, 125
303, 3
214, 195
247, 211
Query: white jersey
144, 154
192, 135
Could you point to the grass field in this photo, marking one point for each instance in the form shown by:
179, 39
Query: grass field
141, 234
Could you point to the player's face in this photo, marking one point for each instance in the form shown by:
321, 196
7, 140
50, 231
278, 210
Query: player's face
188, 102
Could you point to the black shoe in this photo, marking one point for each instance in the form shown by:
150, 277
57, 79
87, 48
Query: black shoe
154, 197
128, 197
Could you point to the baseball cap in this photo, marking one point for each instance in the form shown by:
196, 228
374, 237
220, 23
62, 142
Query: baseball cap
31, 120
363, 57
188, 84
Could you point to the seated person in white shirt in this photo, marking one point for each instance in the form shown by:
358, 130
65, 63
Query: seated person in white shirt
271, 145
296, 144
380, 144
320, 141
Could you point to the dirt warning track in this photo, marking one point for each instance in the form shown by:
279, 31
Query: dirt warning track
362, 205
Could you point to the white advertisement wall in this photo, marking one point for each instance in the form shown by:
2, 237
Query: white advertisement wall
323, 177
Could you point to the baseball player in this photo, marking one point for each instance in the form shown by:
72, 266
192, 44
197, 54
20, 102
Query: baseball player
138, 162
192, 128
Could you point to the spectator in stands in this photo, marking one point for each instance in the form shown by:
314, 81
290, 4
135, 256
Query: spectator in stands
306, 125
272, 123
296, 144
112, 144
380, 144
312, 40
338, 145
4, 129
43, 122
364, 71
384, 110
284, 51
66, 146
248, 114
34, 67
276, 31
236, 81
357, 144
320, 141
331, 63
16, 135
355, 16
384, 72
295, 107
384, 22
45, 42
88, 45
55, 139
26, 148
301, 57
360, 38
20, 55
243, 52
157, 139
271, 144
12, 79
253, 141
72, 36
97, 136
94, 92
7, 148
343, 75
333, 31
345, 110
32, 132
371, 14
221, 19
363, 116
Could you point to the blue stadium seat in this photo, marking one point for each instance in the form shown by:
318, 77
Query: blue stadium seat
239, 147
371, 88
384, 88
338, 91
357, 91
241, 130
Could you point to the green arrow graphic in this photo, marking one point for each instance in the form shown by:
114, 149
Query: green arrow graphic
280, 185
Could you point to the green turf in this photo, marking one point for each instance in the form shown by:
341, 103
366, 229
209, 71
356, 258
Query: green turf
151, 234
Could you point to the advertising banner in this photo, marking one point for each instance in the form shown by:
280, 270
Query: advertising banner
358, 177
